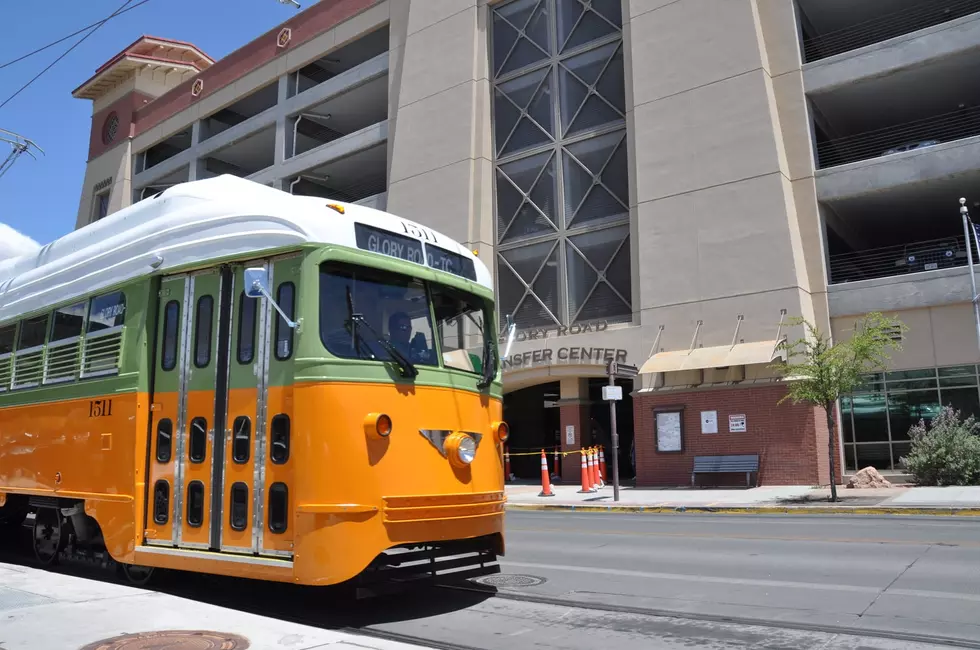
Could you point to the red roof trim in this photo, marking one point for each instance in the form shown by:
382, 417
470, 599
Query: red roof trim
126, 52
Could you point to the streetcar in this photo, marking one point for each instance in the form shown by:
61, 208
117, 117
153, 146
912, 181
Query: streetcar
226, 378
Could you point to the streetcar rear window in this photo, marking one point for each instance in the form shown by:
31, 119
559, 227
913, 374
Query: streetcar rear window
246, 328
7, 338
286, 297
389, 305
170, 317
239, 506
278, 508
67, 322
107, 311
195, 504
241, 442
161, 501
32, 332
203, 324
199, 440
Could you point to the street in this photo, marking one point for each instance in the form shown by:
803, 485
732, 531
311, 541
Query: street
626, 581
920, 575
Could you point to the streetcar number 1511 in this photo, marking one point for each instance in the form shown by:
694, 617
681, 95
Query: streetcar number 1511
99, 408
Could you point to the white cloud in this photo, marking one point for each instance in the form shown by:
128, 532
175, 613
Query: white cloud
15, 244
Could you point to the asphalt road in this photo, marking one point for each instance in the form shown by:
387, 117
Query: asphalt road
918, 575
671, 582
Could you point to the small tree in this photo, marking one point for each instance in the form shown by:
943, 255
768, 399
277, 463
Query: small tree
823, 371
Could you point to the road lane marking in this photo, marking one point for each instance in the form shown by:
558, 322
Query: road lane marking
683, 577
753, 582
774, 538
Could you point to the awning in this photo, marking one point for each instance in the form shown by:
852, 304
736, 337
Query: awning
721, 356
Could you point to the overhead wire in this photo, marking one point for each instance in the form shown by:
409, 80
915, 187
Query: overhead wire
65, 38
94, 29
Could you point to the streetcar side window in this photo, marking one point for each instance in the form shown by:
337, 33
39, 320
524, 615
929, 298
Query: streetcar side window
67, 322
278, 507
203, 324
161, 502
286, 297
239, 506
280, 439
171, 315
165, 436
460, 326
240, 444
106, 312
199, 440
32, 332
195, 504
7, 338
247, 308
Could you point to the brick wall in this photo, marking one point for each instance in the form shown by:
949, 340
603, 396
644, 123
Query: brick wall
791, 439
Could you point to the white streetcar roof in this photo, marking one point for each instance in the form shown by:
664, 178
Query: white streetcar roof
190, 223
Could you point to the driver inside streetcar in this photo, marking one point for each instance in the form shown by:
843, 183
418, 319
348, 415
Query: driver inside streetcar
400, 334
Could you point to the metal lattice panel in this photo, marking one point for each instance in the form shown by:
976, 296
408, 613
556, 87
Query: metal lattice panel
562, 177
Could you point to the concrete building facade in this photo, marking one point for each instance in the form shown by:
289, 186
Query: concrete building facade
664, 184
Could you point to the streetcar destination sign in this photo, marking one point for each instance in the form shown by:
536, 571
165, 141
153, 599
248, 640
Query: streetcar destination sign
388, 243
410, 249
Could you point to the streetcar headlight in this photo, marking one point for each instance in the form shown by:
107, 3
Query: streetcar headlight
460, 449
501, 431
377, 425
466, 450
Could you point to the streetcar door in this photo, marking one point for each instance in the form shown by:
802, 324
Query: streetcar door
257, 464
167, 412
197, 455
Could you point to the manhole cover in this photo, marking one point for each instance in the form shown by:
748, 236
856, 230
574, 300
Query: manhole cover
509, 580
172, 640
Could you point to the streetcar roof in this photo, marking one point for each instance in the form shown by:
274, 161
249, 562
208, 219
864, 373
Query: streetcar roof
187, 224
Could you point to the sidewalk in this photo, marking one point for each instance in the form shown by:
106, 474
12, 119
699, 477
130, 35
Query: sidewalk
50, 611
788, 499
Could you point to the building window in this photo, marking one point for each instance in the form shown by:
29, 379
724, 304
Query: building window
563, 251
875, 420
100, 207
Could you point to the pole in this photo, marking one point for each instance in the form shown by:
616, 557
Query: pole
615, 441
969, 257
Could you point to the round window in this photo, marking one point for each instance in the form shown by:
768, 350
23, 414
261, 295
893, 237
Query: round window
110, 128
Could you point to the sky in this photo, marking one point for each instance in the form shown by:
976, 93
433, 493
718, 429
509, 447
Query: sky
39, 198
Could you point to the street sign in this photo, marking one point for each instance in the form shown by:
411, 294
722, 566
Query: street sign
622, 370
612, 393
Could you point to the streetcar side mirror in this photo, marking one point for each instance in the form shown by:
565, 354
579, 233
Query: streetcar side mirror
511, 331
257, 286
256, 283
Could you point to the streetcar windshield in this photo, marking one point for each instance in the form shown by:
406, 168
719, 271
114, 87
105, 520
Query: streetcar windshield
376, 315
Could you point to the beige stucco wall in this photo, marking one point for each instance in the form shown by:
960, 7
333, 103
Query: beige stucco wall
115, 164
441, 169
936, 336
727, 223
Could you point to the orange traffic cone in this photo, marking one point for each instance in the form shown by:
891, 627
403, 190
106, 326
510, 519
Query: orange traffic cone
586, 481
602, 465
545, 481
592, 469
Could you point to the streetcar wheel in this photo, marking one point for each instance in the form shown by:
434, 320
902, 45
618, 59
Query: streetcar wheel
136, 574
48, 537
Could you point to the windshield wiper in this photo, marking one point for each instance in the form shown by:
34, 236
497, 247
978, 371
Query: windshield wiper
406, 368
489, 364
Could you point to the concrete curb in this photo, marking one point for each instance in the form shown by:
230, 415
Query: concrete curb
756, 510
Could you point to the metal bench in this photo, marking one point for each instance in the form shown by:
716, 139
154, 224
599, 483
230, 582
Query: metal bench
747, 463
